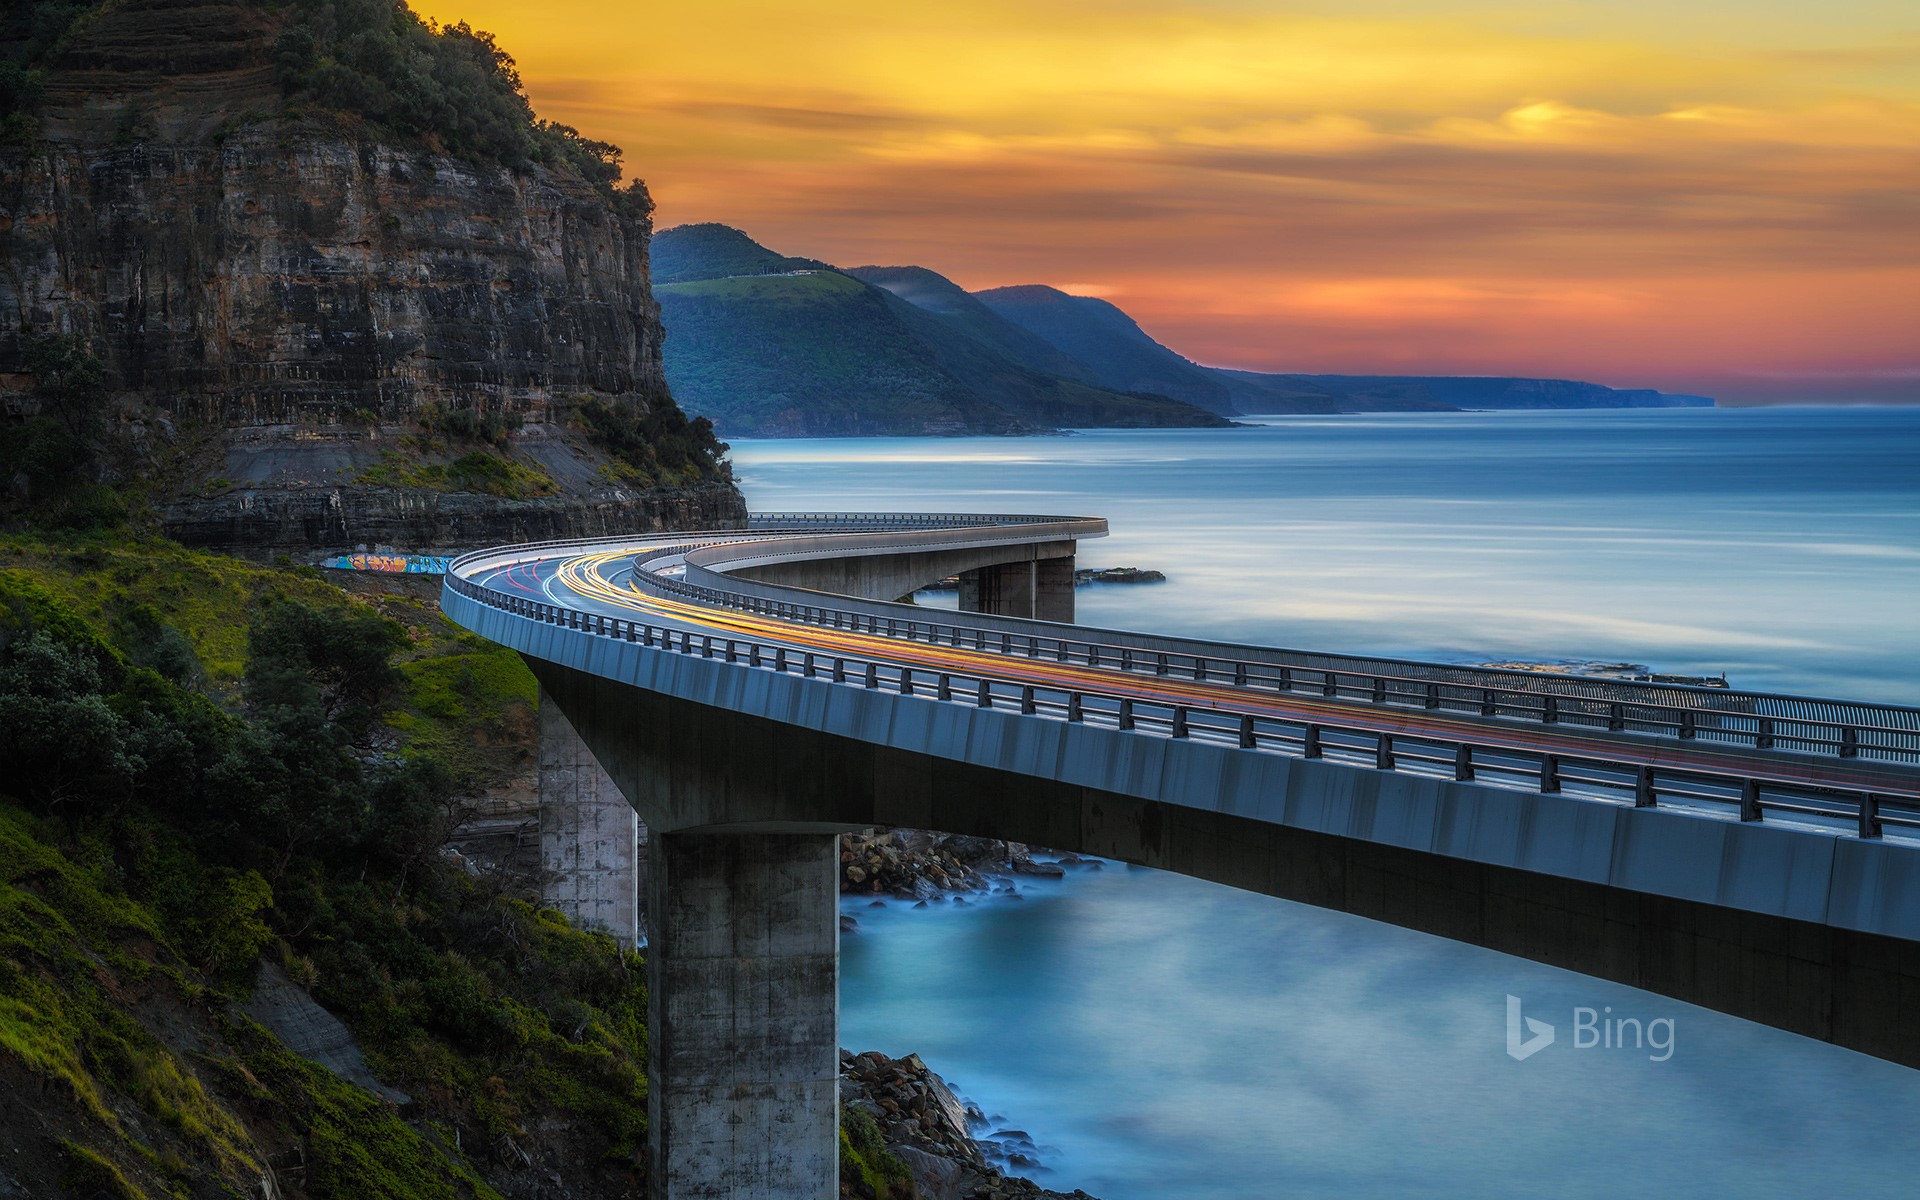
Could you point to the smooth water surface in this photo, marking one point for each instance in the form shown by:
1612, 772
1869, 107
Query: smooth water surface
1781, 546
1168, 1038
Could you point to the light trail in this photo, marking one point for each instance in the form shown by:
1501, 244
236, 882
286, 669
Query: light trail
586, 576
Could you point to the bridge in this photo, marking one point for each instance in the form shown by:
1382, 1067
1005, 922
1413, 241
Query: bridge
754, 692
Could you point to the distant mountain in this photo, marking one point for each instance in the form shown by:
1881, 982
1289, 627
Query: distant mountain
772, 345
1115, 349
776, 346
815, 355
1120, 354
942, 296
1461, 391
713, 251
1256, 393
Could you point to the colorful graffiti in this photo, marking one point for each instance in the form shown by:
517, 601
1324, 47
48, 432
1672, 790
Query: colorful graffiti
390, 564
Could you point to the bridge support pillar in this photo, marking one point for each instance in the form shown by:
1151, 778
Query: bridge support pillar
1053, 590
743, 1016
1038, 588
592, 844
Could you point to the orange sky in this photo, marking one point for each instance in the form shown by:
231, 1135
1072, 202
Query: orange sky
1726, 200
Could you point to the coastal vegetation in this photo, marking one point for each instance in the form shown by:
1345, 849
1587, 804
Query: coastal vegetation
212, 762
449, 86
207, 765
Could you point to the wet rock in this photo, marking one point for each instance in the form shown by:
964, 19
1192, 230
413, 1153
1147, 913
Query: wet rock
927, 1126
937, 1178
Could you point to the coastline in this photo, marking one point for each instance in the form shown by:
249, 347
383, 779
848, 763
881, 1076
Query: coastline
954, 1149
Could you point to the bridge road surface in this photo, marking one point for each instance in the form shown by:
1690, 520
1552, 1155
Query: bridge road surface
1763, 861
602, 582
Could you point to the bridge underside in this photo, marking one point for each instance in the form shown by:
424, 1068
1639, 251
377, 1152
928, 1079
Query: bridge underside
1031, 580
682, 766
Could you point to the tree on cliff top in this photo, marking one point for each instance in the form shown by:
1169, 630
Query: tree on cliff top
449, 84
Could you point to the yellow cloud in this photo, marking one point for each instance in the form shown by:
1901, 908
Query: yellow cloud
1575, 183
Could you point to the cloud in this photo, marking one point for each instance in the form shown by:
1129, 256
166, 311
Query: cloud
1626, 191
785, 116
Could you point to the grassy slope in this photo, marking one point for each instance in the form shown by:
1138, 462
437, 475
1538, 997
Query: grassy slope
468, 701
937, 294
145, 1087
508, 1027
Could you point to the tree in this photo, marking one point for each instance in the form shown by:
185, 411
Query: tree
60, 740
334, 662
54, 449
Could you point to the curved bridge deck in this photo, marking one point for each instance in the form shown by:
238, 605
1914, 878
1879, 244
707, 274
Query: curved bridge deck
1755, 853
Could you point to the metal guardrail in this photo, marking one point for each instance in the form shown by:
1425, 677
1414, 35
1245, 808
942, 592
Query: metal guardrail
1750, 796
1759, 721
1754, 720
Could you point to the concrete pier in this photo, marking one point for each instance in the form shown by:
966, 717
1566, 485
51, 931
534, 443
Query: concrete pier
1025, 580
591, 840
1053, 590
1041, 589
1689, 908
743, 1016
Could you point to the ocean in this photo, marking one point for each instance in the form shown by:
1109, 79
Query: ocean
1167, 1038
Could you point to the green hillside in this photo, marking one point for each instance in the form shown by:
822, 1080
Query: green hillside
1108, 341
764, 346
959, 308
709, 251
811, 356
1038, 396
206, 764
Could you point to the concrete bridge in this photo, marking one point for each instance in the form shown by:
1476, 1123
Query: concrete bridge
752, 693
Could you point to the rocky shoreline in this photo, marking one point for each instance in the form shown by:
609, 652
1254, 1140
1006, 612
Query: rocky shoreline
1082, 577
916, 865
952, 1150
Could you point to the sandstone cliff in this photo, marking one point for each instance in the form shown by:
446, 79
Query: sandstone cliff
295, 306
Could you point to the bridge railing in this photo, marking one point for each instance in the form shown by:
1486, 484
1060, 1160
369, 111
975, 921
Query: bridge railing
1747, 720
831, 521
1752, 720
1748, 794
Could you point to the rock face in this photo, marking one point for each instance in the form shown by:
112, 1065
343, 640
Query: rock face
290, 1014
927, 1127
303, 285
292, 487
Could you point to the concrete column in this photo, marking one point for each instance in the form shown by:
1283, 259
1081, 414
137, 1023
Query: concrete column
1005, 590
1053, 590
1041, 588
743, 1016
591, 839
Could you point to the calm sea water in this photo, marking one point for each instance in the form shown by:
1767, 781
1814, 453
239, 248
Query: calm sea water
1167, 1038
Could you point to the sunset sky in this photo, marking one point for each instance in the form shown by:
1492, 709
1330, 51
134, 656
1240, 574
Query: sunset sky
1719, 196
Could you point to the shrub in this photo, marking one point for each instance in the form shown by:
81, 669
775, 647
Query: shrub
449, 84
